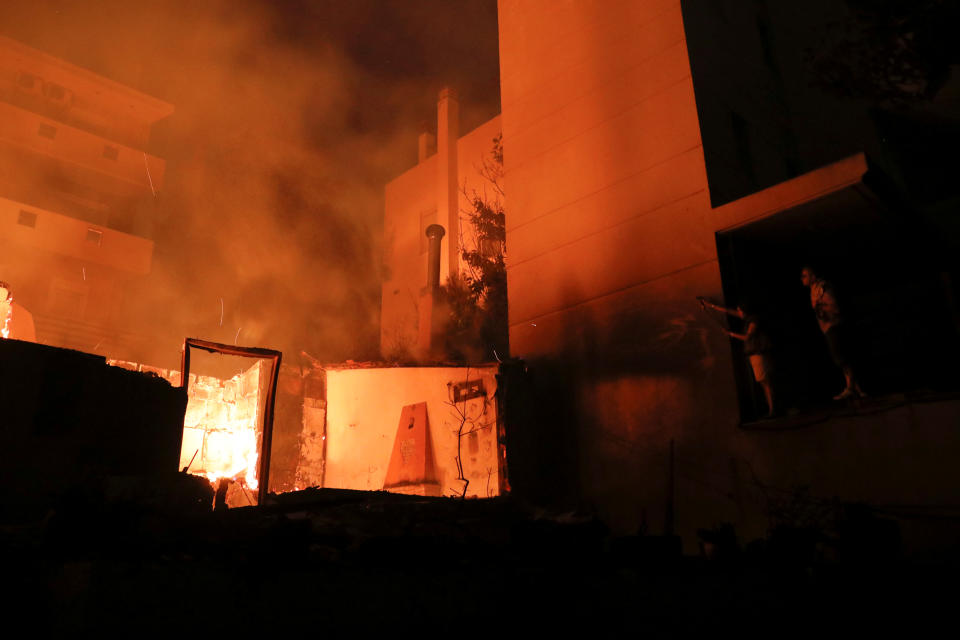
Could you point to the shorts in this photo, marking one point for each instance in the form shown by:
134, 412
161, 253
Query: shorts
762, 366
839, 345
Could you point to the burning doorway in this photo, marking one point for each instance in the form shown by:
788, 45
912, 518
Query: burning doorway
240, 426
228, 426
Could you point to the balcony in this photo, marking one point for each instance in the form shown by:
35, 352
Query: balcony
34, 228
79, 156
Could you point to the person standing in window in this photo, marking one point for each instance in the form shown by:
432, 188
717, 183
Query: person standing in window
824, 303
757, 347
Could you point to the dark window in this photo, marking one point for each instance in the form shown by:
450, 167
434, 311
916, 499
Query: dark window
111, 153
55, 92
27, 218
47, 131
94, 236
26, 80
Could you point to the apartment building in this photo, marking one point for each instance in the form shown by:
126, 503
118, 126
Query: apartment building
77, 196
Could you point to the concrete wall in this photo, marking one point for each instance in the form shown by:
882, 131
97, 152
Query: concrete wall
408, 199
343, 439
363, 411
611, 234
67, 421
610, 237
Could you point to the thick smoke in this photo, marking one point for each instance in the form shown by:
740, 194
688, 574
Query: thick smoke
290, 117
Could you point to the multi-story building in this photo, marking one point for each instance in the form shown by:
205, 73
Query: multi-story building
77, 191
659, 150
436, 191
621, 122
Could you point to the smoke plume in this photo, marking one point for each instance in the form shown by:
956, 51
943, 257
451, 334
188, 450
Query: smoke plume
290, 117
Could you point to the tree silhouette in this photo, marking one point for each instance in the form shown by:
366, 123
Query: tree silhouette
896, 52
478, 296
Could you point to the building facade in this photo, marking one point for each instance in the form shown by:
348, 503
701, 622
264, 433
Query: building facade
436, 191
77, 192
656, 151
649, 409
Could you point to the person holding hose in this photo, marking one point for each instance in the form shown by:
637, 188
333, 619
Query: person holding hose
756, 345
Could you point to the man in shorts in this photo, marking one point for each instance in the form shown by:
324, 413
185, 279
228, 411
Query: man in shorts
824, 303
756, 346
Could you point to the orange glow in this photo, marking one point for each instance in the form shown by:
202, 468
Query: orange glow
220, 429
6, 307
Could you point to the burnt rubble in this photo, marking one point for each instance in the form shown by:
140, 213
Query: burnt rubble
100, 532
356, 562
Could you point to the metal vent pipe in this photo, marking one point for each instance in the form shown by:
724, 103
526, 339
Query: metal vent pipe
435, 233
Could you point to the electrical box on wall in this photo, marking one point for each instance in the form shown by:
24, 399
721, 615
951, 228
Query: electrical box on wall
467, 390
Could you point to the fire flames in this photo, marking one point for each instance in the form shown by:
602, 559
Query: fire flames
6, 310
227, 448
220, 429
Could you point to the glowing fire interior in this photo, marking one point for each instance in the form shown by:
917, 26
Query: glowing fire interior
6, 310
222, 426
221, 429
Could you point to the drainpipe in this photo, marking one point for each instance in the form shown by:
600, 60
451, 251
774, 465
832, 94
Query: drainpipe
433, 311
435, 233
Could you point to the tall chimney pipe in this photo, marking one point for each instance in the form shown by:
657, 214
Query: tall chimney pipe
448, 189
435, 233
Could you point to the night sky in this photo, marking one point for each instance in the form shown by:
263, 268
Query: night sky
290, 118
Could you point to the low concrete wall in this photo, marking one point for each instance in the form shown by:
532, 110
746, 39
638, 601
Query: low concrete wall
68, 420
363, 407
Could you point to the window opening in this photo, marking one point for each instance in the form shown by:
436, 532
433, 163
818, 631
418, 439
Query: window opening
27, 218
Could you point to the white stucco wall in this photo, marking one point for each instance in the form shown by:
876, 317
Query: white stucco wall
363, 412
